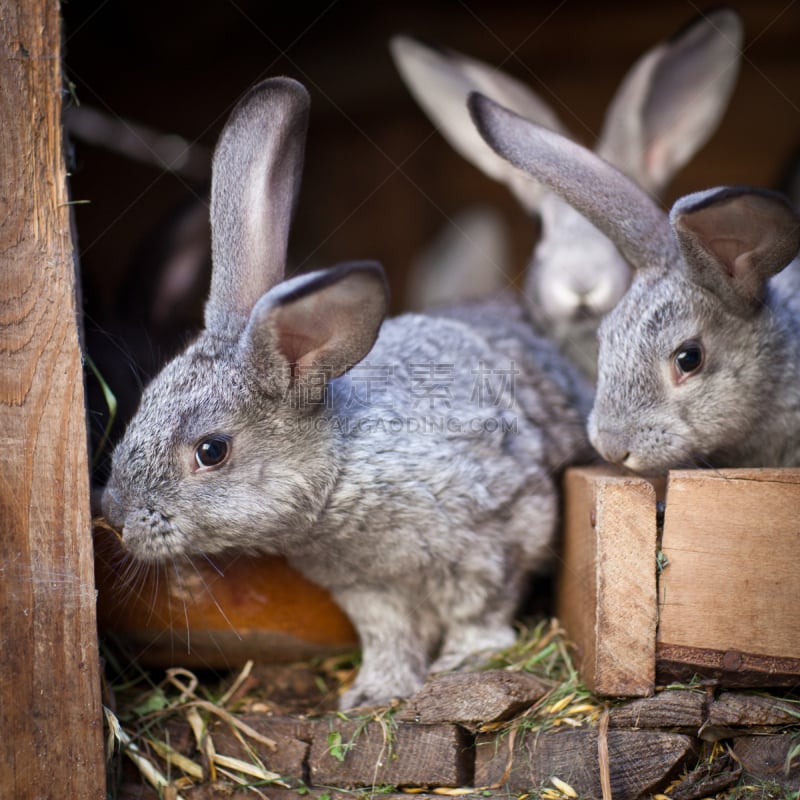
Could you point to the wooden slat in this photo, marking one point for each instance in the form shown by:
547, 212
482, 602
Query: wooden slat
732, 538
50, 723
639, 762
730, 668
735, 709
471, 699
607, 585
676, 709
356, 753
766, 758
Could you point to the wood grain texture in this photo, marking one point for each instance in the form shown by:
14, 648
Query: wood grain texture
639, 761
679, 709
402, 754
471, 699
765, 758
732, 669
291, 735
607, 584
732, 538
51, 743
736, 709
707, 779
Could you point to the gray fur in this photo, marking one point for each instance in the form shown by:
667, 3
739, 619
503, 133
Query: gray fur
666, 108
244, 173
718, 272
421, 506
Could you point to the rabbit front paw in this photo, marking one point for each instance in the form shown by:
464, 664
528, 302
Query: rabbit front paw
470, 646
371, 691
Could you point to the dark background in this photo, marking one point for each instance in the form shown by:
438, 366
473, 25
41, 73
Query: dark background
379, 182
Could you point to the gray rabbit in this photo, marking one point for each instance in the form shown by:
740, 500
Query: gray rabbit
699, 363
408, 468
664, 111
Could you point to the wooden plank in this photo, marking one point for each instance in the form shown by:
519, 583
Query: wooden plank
473, 698
357, 753
607, 582
730, 668
291, 735
228, 792
732, 538
707, 779
765, 758
639, 762
734, 714
679, 709
51, 742
734, 709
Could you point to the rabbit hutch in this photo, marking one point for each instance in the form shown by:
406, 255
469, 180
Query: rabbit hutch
663, 658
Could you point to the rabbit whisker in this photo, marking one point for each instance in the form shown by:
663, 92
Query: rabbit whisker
210, 593
213, 566
183, 588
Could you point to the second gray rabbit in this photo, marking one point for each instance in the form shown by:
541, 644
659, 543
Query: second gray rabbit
408, 468
664, 111
699, 363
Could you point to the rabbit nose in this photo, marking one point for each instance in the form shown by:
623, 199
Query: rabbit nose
112, 507
618, 456
583, 310
612, 448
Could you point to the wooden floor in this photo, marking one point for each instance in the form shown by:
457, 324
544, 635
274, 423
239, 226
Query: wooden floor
457, 738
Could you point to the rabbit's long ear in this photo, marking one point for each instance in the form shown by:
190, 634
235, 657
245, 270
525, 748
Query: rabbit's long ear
672, 100
608, 199
321, 323
255, 182
441, 81
733, 239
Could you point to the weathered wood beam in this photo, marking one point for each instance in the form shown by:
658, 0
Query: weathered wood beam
50, 723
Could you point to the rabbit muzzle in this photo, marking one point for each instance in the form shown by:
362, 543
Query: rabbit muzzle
113, 508
145, 533
613, 446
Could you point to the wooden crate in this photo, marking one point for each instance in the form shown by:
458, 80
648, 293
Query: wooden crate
714, 594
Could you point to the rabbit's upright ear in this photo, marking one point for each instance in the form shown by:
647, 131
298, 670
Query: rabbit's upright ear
255, 182
672, 100
612, 202
734, 239
441, 81
321, 323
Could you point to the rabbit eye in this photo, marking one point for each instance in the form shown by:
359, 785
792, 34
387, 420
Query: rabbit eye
212, 452
687, 360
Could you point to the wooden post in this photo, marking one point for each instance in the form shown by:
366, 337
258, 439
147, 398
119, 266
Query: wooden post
51, 742
607, 580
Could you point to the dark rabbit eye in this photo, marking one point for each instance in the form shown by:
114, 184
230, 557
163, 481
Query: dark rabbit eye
687, 360
212, 451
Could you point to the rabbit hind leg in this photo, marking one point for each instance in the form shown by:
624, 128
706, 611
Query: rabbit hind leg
470, 640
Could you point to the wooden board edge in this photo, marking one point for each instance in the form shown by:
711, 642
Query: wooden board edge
576, 599
731, 669
628, 614
599, 579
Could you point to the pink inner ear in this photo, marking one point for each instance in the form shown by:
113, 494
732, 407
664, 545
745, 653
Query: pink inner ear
298, 348
656, 165
728, 251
